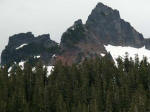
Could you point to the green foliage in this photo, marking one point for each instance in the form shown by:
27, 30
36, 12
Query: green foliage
93, 86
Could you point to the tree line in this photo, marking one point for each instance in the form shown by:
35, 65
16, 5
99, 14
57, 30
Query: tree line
96, 85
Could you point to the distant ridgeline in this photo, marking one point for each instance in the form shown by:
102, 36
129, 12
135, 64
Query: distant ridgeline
103, 27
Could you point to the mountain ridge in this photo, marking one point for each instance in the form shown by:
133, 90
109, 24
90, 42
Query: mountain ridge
104, 26
26, 46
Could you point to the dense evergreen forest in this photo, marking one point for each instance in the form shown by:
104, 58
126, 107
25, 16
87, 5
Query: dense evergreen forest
96, 85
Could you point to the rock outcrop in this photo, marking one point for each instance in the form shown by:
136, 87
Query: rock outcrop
147, 43
109, 28
78, 43
25, 46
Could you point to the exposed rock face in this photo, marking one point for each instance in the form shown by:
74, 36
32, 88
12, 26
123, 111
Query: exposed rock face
104, 26
78, 43
109, 28
25, 46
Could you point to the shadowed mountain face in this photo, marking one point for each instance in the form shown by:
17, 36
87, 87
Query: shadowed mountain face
104, 26
109, 28
25, 46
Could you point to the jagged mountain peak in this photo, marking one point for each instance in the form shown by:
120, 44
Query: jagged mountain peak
104, 26
24, 46
74, 34
78, 22
105, 10
101, 12
109, 28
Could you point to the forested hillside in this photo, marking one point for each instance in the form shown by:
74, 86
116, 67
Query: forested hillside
96, 85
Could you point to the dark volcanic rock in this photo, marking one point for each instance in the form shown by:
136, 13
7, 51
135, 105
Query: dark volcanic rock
109, 28
147, 43
25, 46
78, 43
19, 39
73, 35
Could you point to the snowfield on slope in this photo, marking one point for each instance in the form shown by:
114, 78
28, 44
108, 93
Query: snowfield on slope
117, 51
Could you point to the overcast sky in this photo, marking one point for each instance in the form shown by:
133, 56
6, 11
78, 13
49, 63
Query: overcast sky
55, 16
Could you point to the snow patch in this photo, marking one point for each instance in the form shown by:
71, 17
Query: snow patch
37, 56
102, 54
9, 70
49, 70
21, 46
54, 56
33, 69
21, 64
117, 51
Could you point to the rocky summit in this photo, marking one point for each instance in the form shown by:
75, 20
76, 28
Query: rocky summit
104, 26
26, 46
109, 28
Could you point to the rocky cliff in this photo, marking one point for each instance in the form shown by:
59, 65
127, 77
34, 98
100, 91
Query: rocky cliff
25, 46
109, 28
